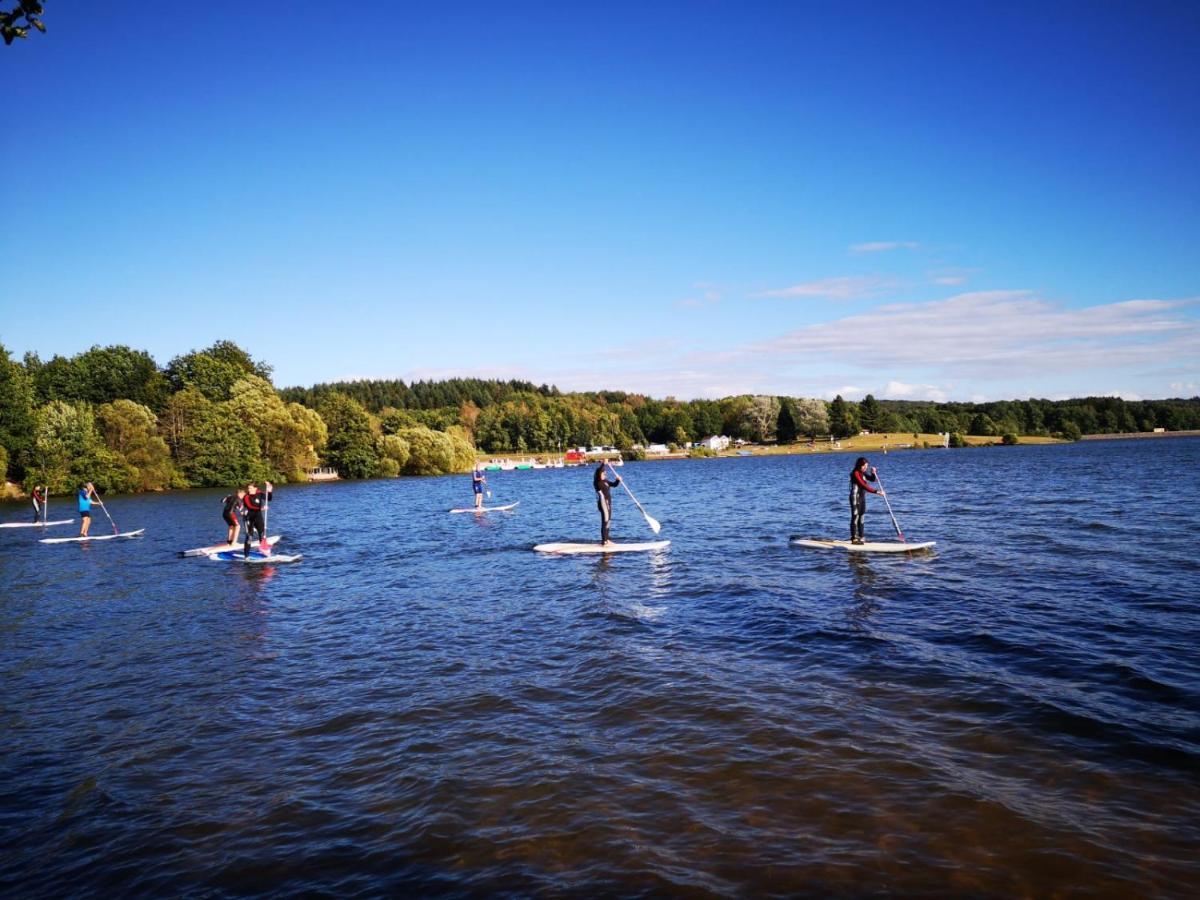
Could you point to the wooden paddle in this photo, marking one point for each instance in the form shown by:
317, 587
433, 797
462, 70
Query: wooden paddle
654, 524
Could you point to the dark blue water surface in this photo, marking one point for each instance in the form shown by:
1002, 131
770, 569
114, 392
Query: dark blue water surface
425, 706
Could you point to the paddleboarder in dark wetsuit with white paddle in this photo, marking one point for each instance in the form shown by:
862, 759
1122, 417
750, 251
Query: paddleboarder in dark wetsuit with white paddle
858, 498
604, 499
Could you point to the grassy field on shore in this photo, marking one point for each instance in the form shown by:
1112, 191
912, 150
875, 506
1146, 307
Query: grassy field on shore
874, 443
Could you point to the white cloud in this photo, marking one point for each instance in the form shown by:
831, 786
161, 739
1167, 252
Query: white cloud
883, 246
950, 279
899, 390
1181, 386
847, 287
997, 334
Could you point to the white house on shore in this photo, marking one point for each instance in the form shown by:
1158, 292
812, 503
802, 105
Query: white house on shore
657, 450
714, 442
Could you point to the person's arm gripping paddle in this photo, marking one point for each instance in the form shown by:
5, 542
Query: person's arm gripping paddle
654, 524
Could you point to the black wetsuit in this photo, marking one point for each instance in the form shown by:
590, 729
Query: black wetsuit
230, 507
38, 500
253, 505
858, 501
603, 500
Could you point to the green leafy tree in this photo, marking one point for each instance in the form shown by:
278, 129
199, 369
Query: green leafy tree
430, 452
18, 423
16, 22
982, 425
811, 416
70, 451
180, 418
215, 370
131, 431
101, 375
393, 452
435, 452
350, 447
218, 449
759, 417
870, 416
843, 420
785, 425
289, 436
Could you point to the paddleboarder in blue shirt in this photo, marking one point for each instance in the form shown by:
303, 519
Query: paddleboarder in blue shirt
859, 489
603, 489
478, 483
87, 496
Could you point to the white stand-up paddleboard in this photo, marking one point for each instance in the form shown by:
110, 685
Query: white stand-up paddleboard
92, 537
601, 548
869, 547
255, 558
219, 548
36, 524
484, 509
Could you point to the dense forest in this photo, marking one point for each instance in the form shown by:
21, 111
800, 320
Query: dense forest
210, 417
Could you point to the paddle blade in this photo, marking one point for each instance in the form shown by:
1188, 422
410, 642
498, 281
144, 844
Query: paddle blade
654, 524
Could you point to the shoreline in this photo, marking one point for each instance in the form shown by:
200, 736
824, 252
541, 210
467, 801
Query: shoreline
870, 443
1139, 435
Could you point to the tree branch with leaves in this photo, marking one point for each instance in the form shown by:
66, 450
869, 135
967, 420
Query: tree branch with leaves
16, 22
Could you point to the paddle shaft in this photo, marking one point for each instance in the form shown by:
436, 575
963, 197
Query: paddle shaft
650, 520
887, 502
110, 518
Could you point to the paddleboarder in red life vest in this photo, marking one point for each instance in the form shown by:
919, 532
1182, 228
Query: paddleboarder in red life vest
38, 496
604, 500
254, 502
859, 488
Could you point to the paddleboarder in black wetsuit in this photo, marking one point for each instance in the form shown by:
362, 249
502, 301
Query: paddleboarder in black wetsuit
858, 497
254, 502
604, 499
38, 496
231, 508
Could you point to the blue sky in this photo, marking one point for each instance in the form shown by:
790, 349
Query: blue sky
918, 200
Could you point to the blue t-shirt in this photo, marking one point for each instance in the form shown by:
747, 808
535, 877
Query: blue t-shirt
477, 482
85, 501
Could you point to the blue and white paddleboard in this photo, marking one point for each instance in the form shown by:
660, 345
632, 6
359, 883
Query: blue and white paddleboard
36, 524
255, 558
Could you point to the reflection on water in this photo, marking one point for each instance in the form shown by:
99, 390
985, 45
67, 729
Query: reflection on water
424, 706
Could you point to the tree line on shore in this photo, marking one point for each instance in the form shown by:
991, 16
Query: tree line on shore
212, 417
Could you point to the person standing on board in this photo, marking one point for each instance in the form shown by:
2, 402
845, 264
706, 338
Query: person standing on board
858, 497
231, 508
478, 483
254, 502
38, 496
604, 499
87, 495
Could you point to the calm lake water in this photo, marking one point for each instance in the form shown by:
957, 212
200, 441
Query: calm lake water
425, 706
